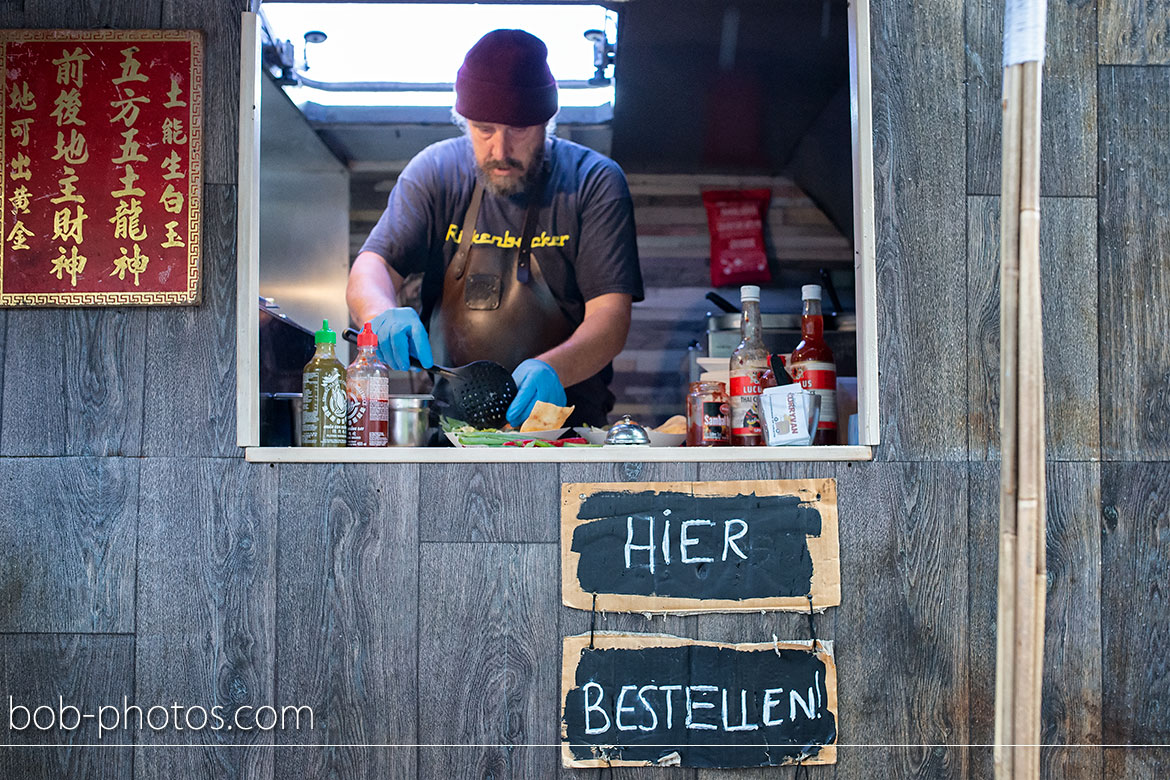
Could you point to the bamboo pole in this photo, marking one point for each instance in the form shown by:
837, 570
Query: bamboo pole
1022, 577
1030, 522
1009, 271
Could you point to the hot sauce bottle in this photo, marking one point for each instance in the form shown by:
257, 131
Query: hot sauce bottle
367, 389
323, 399
707, 415
812, 364
749, 363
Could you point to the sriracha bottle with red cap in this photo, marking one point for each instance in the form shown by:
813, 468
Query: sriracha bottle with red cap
367, 394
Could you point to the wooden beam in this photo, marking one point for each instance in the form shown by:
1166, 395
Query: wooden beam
248, 238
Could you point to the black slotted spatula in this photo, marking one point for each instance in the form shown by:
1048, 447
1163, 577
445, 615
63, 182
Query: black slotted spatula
478, 393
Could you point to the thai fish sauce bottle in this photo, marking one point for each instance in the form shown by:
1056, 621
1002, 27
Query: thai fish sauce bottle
749, 361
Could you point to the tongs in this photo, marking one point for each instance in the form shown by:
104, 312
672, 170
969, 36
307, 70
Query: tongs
478, 393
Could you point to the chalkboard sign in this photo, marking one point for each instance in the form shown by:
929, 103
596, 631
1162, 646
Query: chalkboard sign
641, 699
700, 546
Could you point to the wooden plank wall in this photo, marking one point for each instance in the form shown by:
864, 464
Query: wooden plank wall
143, 558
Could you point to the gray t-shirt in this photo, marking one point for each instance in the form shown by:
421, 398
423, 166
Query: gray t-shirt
585, 226
584, 238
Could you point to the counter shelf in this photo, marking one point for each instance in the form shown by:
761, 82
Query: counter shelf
554, 454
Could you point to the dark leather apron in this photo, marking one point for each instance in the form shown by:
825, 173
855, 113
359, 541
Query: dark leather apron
496, 305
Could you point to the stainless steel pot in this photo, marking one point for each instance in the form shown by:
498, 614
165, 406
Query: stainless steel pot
409, 415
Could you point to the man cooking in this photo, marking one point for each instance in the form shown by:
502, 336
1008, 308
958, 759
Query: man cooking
525, 242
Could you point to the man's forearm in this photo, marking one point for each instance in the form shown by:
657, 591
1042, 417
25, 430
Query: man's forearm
371, 289
595, 342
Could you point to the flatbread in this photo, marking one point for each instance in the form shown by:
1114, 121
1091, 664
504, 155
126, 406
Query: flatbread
546, 417
676, 424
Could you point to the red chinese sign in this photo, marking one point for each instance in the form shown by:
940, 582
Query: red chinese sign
100, 186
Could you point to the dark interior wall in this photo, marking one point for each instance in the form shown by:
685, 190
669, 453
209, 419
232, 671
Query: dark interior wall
678, 110
143, 557
768, 103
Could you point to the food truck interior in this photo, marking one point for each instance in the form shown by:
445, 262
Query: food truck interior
687, 96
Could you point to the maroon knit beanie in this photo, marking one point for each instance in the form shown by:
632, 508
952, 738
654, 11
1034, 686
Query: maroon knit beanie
505, 79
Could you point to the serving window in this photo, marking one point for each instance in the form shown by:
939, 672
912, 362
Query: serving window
696, 110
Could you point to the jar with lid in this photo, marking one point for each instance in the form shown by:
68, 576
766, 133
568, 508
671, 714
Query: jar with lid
707, 412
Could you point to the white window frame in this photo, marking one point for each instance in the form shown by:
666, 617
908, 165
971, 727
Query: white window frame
248, 293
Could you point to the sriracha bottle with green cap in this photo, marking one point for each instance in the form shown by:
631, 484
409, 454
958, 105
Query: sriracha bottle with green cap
367, 387
323, 399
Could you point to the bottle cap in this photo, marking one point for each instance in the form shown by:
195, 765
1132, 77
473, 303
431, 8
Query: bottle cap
810, 292
367, 337
325, 335
749, 292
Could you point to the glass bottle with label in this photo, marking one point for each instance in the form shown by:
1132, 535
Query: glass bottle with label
812, 364
367, 389
749, 362
323, 398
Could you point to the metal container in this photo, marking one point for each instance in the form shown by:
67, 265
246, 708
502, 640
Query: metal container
409, 415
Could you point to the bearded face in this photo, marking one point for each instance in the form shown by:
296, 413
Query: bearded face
508, 159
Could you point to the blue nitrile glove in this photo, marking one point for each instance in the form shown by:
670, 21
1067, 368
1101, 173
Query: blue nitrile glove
535, 381
401, 334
